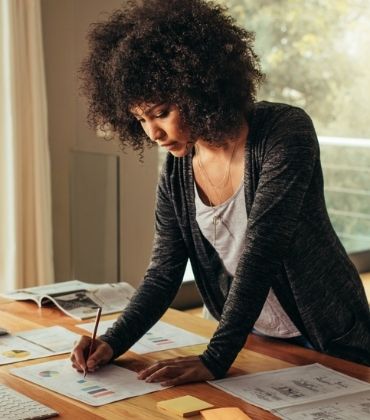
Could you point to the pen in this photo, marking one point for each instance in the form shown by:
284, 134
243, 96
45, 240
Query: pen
97, 319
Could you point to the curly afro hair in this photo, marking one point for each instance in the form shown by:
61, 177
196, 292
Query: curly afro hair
184, 52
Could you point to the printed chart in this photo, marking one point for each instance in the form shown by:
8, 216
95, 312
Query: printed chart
311, 392
161, 336
159, 340
348, 407
96, 391
110, 383
57, 339
15, 354
32, 344
15, 349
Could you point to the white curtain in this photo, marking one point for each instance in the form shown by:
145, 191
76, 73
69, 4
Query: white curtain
26, 257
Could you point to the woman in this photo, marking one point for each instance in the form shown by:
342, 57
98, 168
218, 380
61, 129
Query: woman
240, 194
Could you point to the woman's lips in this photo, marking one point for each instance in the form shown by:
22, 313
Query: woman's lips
169, 146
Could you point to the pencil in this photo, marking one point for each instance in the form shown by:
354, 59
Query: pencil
97, 319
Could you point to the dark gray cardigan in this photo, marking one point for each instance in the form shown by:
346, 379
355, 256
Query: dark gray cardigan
290, 245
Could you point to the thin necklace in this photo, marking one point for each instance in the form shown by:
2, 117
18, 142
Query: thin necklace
216, 217
224, 180
226, 176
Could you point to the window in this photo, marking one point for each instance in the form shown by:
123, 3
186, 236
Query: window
316, 55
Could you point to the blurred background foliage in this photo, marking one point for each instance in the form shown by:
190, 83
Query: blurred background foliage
316, 55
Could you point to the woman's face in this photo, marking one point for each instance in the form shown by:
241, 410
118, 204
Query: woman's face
162, 124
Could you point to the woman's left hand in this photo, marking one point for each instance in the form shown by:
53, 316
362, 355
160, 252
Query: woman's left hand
176, 371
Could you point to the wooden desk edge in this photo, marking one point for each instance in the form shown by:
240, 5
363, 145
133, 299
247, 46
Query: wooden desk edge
260, 354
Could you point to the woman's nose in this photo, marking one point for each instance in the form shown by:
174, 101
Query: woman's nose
156, 133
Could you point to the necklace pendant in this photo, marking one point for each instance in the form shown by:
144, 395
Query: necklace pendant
215, 219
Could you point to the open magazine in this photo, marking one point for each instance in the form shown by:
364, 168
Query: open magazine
77, 299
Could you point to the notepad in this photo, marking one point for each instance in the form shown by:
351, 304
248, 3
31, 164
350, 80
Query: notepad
225, 413
186, 406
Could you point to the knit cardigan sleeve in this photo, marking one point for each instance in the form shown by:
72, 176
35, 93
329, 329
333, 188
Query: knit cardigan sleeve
289, 155
161, 282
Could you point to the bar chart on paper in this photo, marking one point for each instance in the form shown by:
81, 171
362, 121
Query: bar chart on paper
108, 384
161, 336
93, 389
158, 340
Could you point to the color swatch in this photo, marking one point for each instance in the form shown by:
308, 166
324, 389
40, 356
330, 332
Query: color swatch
16, 353
158, 340
94, 390
48, 373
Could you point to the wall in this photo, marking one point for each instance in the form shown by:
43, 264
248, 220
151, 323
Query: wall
65, 24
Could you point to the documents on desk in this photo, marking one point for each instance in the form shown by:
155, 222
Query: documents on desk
308, 392
161, 336
32, 344
302, 393
78, 299
348, 407
108, 384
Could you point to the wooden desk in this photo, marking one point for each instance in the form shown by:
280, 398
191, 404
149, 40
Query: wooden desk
260, 355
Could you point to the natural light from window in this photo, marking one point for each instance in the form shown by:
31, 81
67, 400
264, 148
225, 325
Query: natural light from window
7, 198
316, 55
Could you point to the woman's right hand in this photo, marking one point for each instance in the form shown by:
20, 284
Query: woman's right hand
101, 354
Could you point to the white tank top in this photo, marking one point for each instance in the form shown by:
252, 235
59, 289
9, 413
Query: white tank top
224, 226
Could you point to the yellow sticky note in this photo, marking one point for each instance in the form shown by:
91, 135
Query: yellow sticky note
184, 406
225, 413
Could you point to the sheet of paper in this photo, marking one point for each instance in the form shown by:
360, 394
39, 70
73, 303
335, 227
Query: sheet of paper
13, 349
108, 384
286, 387
349, 407
32, 344
161, 336
56, 339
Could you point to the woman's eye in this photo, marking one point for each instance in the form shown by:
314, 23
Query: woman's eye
162, 114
